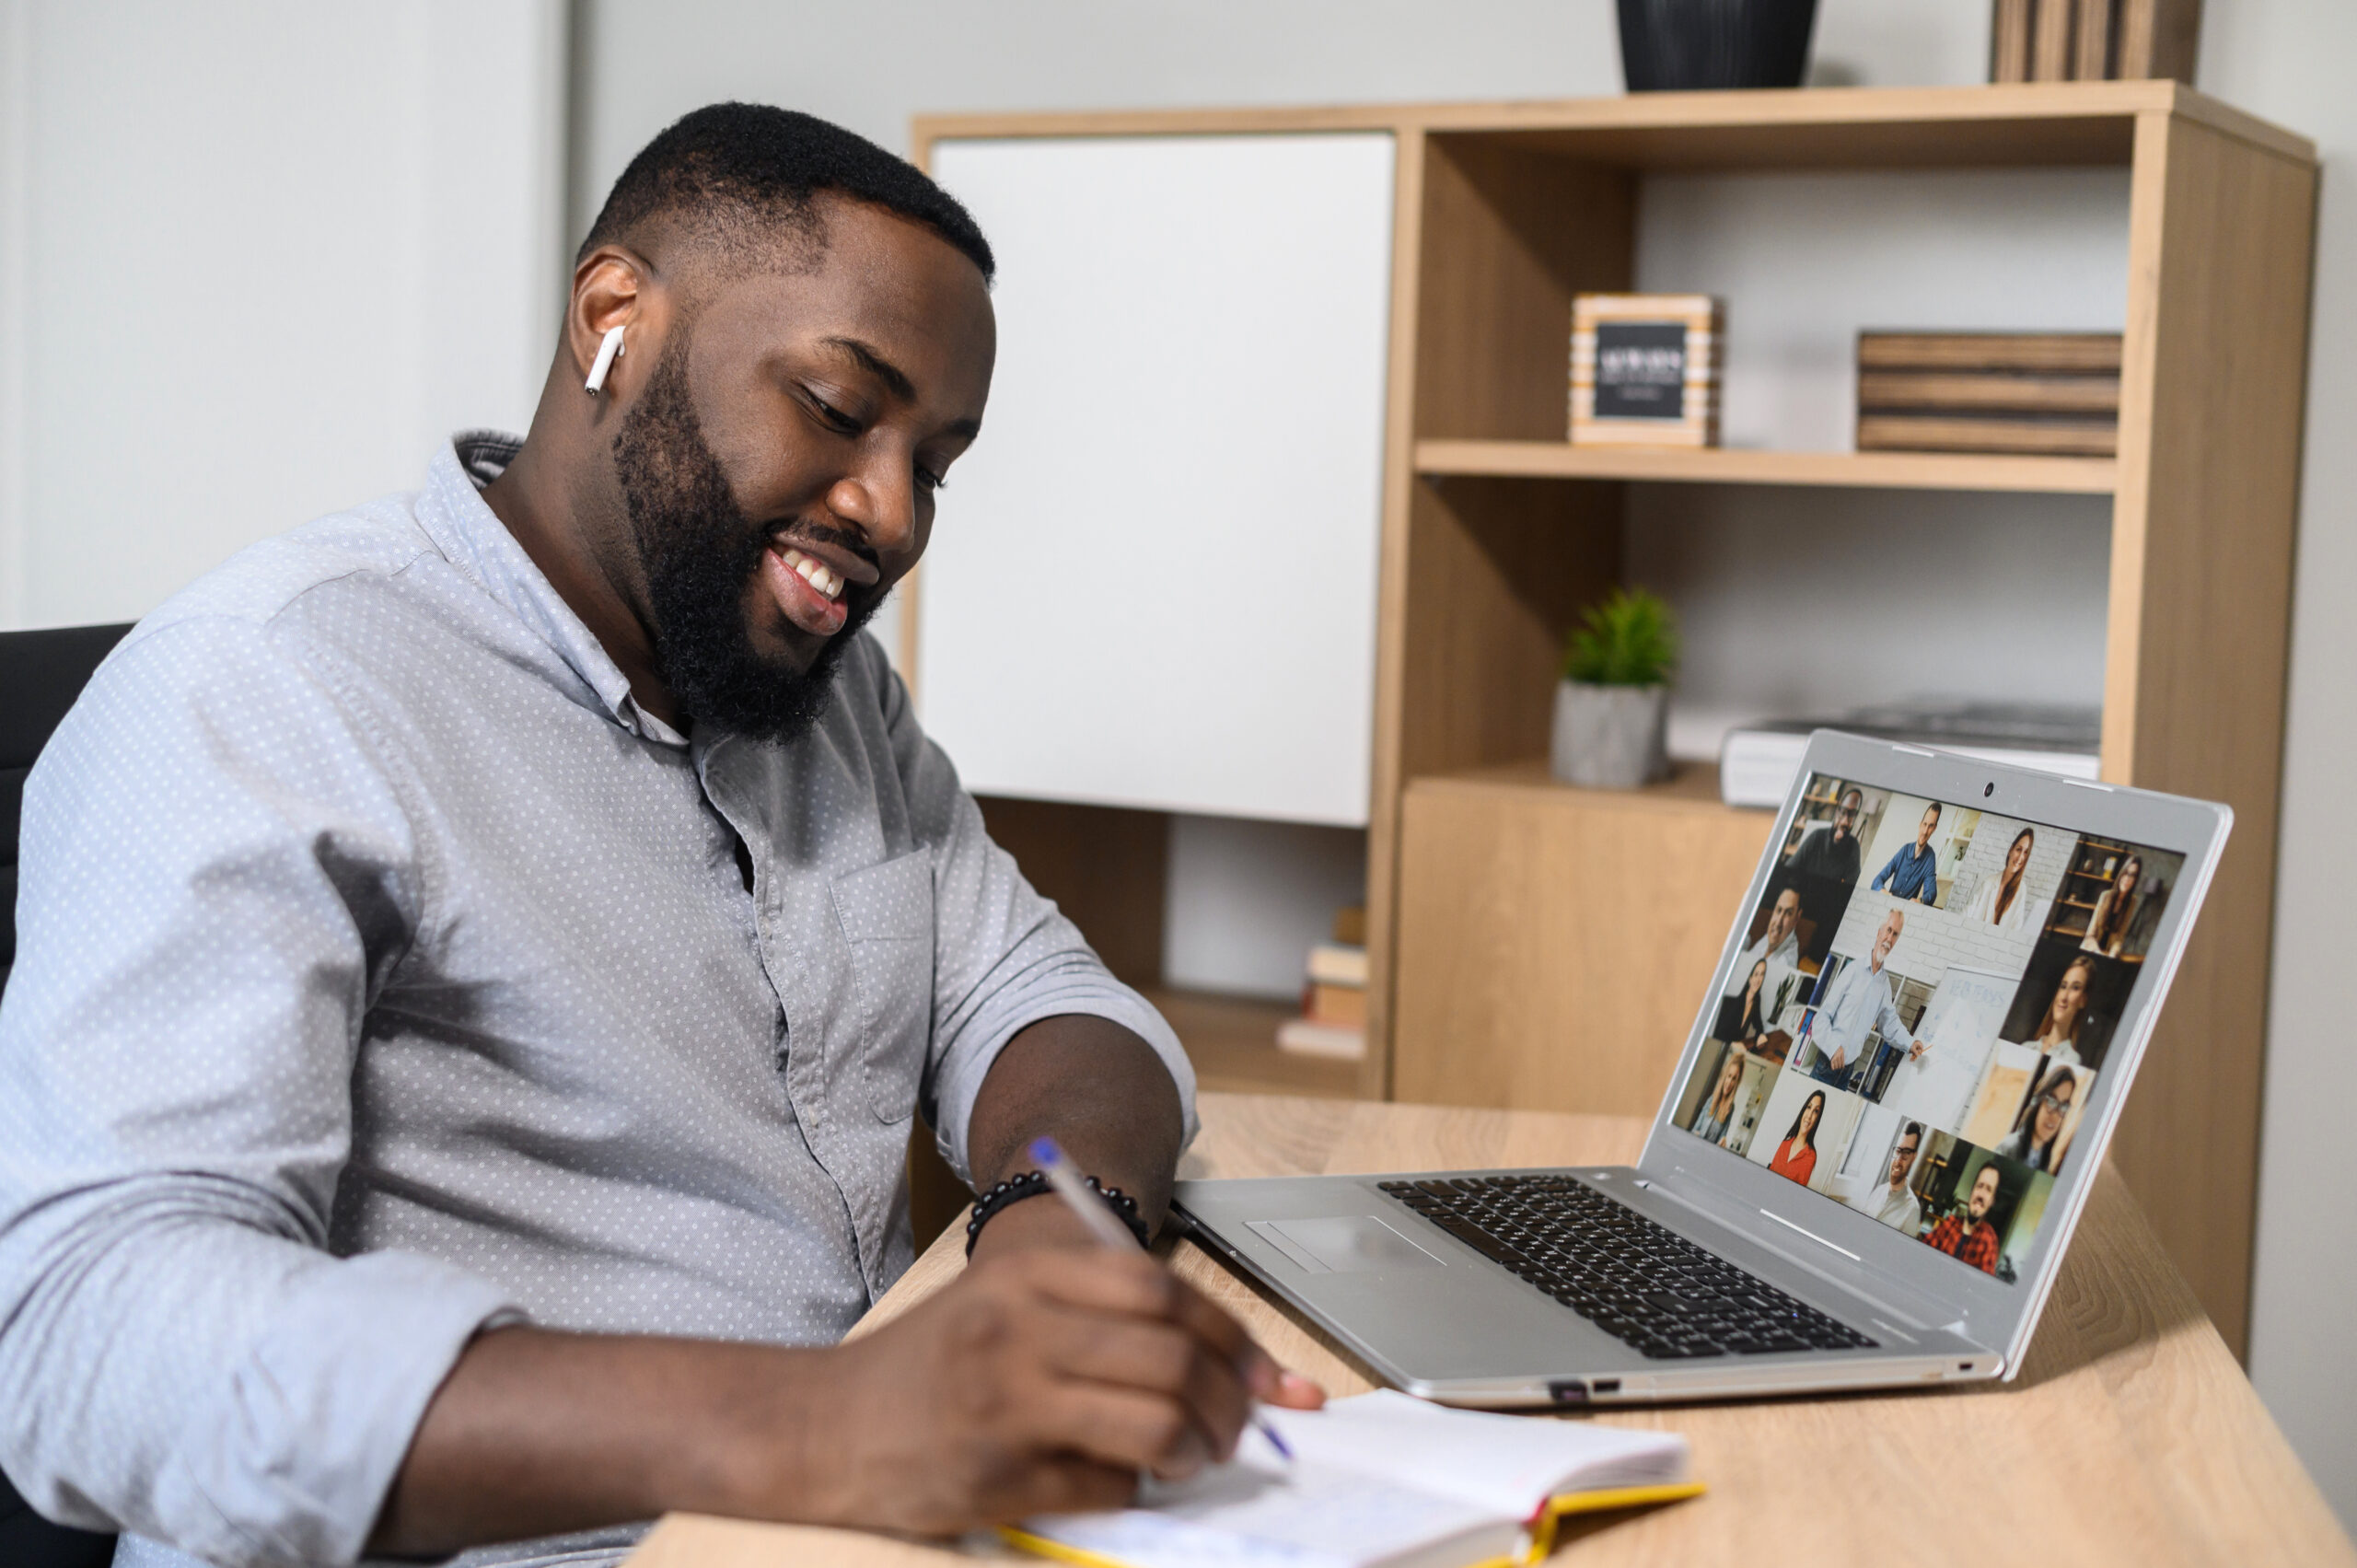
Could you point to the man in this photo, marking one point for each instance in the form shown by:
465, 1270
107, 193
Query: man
1781, 947
1969, 1237
1893, 1203
481, 954
1914, 871
1857, 1004
1832, 851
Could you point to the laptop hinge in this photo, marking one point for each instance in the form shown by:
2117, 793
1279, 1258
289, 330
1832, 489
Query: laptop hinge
1803, 1248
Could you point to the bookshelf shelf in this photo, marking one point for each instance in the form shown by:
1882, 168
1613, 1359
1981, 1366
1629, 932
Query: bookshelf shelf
1692, 787
1889, 470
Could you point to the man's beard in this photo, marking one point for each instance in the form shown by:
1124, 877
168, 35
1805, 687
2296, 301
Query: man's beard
700, 551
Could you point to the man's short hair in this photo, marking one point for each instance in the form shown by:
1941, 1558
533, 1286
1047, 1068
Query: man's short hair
1913, 1130
740, 168
1932, 809
1847, 795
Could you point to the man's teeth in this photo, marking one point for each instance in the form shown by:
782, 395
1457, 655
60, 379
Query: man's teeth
815, 573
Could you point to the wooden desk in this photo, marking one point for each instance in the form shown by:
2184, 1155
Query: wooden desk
2130, 1436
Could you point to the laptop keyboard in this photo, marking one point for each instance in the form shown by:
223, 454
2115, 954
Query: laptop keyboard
1636, 1280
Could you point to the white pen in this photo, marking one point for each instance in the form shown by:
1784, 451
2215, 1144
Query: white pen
1048, 1155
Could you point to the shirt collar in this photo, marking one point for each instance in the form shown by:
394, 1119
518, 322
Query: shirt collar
454, 515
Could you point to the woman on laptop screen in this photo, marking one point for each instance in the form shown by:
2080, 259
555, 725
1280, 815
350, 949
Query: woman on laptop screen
1796, 1157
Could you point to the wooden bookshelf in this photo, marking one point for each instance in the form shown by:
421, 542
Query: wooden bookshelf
1515, 924
1499, 890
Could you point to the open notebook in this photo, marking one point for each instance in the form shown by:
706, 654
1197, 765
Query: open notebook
1379, 1479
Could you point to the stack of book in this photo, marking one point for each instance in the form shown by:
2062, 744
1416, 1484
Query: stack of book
2044, 393
1333, 995
2090, 40
1758, 761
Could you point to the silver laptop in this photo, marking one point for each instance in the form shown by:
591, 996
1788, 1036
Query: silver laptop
1889, 1115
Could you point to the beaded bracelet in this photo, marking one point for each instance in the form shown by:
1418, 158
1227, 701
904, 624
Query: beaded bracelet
1031, 1184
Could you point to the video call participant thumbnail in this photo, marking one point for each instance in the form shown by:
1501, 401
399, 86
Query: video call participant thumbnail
2116, 910
2003, 900
1969, 1234
1716, 1114
1893, 1203
1796, 1156
1830, 850
2055, 1011
1857, 1002
2039, 1138
1778, 945
1914, 873
1745, 1017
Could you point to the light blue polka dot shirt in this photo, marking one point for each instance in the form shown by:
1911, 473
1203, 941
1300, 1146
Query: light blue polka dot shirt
385, 973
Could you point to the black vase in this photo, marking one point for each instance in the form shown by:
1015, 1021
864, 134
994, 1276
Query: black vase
1680, 45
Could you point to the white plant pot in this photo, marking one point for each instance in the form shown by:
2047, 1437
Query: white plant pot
1610, 736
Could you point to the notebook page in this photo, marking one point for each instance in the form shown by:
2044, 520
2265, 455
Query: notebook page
1257, 1512
1377, 1478
1505, 1465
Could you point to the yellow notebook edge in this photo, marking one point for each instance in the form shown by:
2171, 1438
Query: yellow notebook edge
1040, 1545
1541, 1537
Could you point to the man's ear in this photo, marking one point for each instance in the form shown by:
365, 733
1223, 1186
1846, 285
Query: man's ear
614, 287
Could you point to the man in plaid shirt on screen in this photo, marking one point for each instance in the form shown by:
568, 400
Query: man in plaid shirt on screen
1968, 1237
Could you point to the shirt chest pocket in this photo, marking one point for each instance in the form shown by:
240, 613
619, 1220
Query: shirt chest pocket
885, 912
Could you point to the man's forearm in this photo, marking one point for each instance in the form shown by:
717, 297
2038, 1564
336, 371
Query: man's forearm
536, 1433
1099, 1090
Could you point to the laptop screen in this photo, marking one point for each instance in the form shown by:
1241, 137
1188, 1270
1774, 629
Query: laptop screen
1921, 1011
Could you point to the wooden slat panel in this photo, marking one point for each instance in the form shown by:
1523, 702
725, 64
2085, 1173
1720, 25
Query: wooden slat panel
2159, 37
2056, 27
2091, 56
2009, 42
2214, 373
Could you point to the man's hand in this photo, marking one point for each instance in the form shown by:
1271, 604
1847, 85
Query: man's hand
1044, 1379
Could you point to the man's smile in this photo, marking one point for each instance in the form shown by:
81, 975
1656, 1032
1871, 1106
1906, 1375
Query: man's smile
805, 588
812, 581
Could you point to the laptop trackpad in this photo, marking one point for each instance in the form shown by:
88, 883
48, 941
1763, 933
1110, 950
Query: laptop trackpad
1347, 1244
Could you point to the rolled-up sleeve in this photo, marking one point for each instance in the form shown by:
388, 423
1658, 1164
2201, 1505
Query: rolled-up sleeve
1003, 957
214, 879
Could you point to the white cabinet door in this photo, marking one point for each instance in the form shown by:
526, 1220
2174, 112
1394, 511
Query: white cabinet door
1152, 579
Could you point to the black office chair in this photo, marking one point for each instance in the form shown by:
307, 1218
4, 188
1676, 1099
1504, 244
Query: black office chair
40, 674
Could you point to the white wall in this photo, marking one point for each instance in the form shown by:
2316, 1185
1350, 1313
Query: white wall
258, 258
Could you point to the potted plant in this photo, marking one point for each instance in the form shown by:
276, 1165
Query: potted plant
1611, 706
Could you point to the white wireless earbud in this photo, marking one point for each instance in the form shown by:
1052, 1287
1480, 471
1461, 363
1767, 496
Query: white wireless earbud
607, 352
